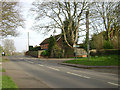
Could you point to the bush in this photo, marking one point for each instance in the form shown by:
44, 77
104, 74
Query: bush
106, 52
52, 42
36, 48
30, 48
44, 53
107, 45
56, 51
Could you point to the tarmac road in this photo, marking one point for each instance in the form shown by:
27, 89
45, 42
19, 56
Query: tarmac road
49, 74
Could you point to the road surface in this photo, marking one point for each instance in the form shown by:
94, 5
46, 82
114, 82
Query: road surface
55, 75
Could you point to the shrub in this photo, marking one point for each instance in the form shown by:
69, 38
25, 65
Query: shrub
106, 52
107, 45
44, 53
56, 51
36, 48
30, 48
52, 42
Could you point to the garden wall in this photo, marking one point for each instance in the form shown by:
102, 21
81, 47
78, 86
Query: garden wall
34, 53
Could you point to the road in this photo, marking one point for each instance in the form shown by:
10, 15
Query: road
55, 75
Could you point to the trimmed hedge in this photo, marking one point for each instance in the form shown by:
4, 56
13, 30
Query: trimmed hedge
105, 52
31, 48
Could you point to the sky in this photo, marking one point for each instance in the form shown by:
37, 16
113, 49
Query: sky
35, 37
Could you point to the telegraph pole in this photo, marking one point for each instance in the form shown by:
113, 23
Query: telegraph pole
87, 35
28, 41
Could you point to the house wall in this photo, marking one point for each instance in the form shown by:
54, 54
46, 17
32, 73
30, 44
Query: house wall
59, 42
45, 46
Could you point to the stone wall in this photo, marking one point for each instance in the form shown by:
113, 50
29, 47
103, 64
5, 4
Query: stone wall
34, 53
80, 52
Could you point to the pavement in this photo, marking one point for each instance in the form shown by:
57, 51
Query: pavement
21, 78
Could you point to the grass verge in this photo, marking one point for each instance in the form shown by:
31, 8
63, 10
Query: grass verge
7, 82
5, 59
2, 70
110, 60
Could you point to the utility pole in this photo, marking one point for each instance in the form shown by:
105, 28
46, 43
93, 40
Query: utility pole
28, 41
87, 35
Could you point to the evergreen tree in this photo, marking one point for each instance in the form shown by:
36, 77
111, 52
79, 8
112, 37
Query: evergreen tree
52, 42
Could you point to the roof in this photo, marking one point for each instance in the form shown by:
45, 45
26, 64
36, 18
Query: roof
57, 37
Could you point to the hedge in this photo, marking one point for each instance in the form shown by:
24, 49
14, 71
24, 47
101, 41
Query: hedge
105, 52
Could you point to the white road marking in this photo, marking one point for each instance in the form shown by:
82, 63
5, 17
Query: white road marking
40, 65
30, 62
0, 63
109, 73
21, 58
54, 68
113, 83
78, 75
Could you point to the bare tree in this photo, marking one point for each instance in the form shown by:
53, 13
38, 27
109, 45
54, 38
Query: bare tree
59, 13
1, 49
10, 18
107, 13
8, 46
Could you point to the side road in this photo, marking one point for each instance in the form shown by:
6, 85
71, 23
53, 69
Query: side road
22, 79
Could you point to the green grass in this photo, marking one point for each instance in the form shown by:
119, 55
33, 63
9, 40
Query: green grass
2, 70
111, 60
7, 82
4, 59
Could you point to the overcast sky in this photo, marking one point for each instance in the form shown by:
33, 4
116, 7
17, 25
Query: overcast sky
21, 41
35, 38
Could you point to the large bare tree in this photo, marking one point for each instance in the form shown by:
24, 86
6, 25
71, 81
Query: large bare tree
10, 18
60, 15
108, 14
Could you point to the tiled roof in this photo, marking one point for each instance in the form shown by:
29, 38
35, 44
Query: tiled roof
57, 37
